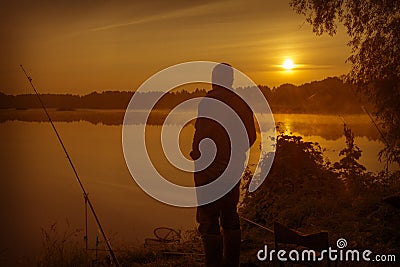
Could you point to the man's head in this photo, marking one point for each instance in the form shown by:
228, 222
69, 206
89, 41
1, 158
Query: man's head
222, 75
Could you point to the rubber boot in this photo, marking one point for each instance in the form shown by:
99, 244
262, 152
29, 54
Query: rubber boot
231, 253
213, 250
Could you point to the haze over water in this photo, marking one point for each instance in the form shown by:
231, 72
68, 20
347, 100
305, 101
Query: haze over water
39, 188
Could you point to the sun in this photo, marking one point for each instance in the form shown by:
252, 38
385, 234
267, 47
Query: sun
288, 64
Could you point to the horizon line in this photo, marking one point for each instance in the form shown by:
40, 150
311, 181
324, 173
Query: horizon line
133, 91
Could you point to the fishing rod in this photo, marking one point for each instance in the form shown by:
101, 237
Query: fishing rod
257, 224
85, 194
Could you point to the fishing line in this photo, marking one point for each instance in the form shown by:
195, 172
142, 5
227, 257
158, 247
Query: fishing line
85, 194
257, 224
383, 138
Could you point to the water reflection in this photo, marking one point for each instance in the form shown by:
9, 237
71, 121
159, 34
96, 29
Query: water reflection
38, 186
327, 126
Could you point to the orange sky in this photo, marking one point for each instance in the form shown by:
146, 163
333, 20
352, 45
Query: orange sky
83, 46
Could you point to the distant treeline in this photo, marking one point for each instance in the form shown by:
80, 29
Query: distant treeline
329, 96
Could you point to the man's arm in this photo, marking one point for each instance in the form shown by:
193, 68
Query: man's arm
201, 131
247, 116
195, 153
251, 130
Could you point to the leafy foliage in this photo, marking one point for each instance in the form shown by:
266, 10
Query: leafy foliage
374, 30
299, 177
348, 166
307, 193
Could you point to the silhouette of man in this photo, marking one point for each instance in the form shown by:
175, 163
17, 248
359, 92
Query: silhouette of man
221, 249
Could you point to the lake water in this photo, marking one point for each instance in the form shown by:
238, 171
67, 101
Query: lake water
39, 188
